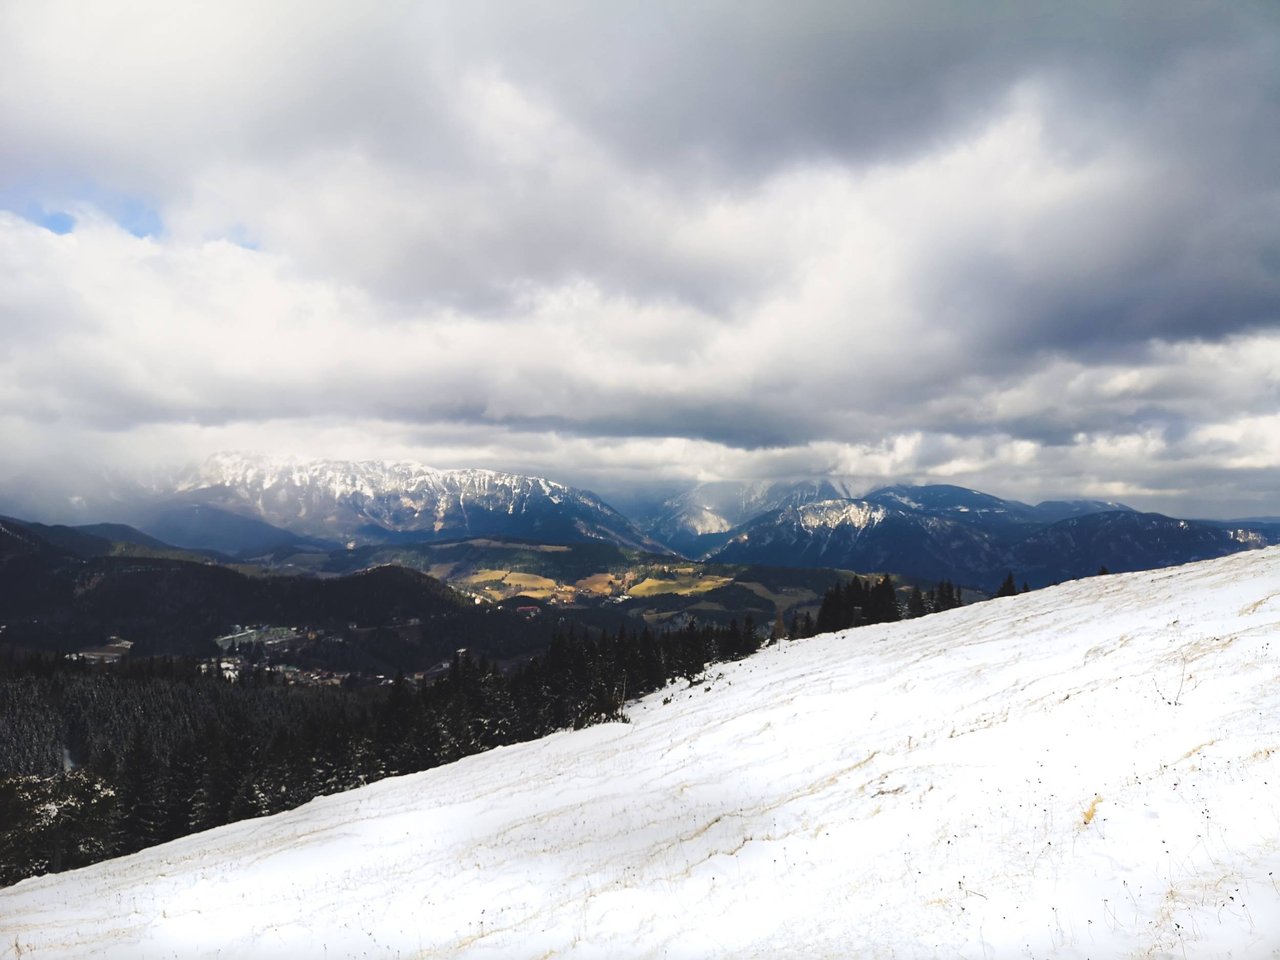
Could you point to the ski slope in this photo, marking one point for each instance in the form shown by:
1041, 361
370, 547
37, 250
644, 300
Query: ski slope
1088, 771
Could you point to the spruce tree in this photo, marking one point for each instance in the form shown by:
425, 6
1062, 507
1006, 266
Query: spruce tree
779, 631
883, 602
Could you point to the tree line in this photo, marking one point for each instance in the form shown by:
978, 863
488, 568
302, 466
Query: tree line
859, 602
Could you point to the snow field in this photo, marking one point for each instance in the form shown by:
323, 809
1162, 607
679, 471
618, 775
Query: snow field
1088, 771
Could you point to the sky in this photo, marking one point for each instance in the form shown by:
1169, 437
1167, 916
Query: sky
1031, 248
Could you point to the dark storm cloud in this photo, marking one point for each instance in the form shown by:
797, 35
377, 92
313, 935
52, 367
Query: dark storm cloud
740, 423
1198, 261
747, 85
1189, 90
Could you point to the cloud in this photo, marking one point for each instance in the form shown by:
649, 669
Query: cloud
1035, 249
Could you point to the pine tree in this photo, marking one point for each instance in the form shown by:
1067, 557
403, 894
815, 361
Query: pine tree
750, 642
883, 602
211, 796
1008, 588
142, 795
779, 628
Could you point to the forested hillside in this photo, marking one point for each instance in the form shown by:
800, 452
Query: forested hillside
99, 761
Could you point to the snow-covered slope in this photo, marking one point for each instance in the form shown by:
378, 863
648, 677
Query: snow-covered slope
1085, 771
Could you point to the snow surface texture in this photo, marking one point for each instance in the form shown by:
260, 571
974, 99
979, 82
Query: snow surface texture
1085, 771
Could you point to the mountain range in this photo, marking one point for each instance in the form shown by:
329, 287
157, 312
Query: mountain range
251, 506
380, 502
943, 531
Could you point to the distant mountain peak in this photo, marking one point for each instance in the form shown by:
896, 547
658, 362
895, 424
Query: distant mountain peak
700, 519
943, 497
345, 477
402, 499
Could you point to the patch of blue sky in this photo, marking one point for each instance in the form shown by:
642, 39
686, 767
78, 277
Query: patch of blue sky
48, 208
56, 221
240, 236
132, 214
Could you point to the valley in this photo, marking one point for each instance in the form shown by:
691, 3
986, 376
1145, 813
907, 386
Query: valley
68, 591
599, 582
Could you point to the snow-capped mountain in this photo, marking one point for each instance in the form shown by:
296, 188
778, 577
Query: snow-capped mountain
946, 532
702, 520
994, 514
1084, 771
699, 520
371, 501
947, 499
864, 535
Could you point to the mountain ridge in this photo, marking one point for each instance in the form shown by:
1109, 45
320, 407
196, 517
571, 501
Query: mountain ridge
368, 501
944, 532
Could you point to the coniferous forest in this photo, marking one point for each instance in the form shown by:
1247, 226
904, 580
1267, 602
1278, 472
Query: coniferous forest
102, 760
858, 603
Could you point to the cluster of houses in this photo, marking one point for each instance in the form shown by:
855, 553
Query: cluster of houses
247, 649
114, 649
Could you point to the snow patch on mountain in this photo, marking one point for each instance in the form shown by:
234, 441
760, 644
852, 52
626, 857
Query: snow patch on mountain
836, 513
259, 477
